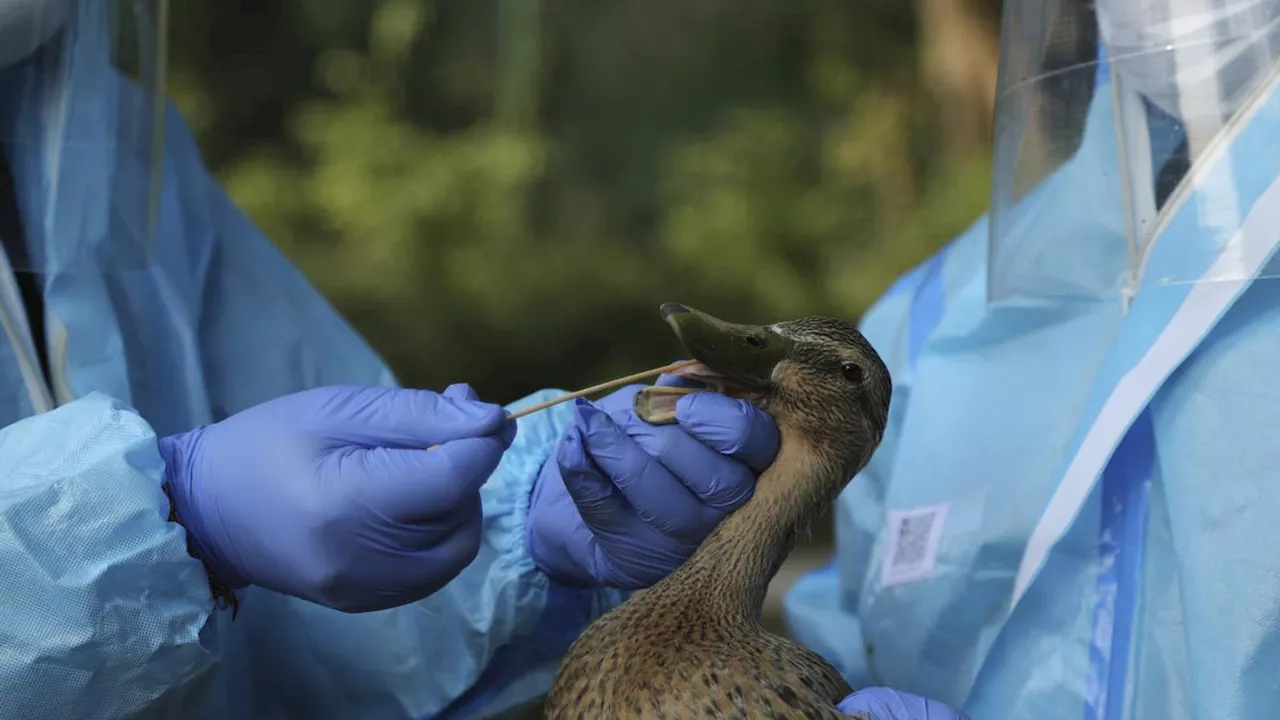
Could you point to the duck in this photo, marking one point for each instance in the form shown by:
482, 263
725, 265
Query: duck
692, 645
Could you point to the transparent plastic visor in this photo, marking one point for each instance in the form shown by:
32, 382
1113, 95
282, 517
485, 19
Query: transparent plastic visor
81, 120
1121, 122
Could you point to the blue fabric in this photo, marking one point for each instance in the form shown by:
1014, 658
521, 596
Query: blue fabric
106, 616
517, 668
102, 608
926, 306
1215, 581
1125, 505
880, 703
1152, 600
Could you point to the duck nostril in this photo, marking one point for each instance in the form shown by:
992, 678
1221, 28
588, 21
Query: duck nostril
754, 341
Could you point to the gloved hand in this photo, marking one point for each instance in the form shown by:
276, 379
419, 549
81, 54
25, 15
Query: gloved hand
332, 496
623, 503
881, 703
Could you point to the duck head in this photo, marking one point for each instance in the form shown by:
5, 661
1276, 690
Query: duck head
818, 377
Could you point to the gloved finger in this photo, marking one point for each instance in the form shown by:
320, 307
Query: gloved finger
881, 703
731, 426
447, 555
603, 507
718, 480
402, 418
418, 486
464, 392
657, 496
433, 565
461, 391
600, 504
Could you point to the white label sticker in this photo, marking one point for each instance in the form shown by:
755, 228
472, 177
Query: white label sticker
911, 548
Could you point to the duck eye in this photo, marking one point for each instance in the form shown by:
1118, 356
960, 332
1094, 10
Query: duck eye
754, 341
852, 372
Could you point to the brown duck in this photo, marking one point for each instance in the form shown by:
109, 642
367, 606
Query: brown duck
692, 646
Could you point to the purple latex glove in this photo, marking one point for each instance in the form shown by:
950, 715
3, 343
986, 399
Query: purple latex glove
332, 496
623, 503
880, 703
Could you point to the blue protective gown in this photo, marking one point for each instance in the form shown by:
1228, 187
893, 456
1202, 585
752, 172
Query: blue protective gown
103, 614
1122, 457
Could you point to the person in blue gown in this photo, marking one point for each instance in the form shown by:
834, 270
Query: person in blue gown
1072, 511
215, 501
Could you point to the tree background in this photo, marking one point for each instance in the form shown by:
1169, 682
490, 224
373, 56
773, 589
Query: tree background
502, 192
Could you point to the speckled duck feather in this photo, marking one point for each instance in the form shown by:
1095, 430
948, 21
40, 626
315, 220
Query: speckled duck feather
692, 645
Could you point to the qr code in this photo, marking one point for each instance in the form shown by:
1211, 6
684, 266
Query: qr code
911, 547
913, 541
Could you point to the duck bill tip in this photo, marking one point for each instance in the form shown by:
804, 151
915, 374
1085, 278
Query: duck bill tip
742, 354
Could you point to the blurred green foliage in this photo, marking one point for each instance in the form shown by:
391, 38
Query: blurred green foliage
502, 192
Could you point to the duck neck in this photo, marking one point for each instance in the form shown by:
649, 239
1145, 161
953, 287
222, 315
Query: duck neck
735, 564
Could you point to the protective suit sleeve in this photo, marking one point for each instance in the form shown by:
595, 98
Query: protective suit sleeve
103, 607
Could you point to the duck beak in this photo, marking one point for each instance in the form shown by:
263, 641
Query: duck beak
743, 355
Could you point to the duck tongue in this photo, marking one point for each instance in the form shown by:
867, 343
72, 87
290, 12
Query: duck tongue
700, 372
703, 373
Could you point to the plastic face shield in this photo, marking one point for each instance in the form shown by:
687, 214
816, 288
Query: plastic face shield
81, 120
1107, 115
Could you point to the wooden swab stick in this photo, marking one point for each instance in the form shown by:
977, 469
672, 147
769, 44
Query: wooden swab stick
619, 382
603, 386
